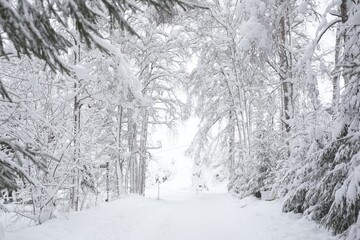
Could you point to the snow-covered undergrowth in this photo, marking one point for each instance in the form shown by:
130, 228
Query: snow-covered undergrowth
178, 215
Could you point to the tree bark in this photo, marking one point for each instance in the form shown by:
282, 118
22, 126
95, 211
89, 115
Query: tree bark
132, 160
336, 74
76, 131
119, 162
285, 66
143, 151
231, 130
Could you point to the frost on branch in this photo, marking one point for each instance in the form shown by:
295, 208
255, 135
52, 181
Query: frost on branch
30, 26
13, 157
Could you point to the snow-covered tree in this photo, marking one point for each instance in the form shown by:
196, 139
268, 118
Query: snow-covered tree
63, 101
326, 186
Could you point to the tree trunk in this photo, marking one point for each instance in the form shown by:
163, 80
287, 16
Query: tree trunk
231, 159
76, 131
143, 151
76, 181
132, 163
344, 18
119, 175
285, 66
336, 74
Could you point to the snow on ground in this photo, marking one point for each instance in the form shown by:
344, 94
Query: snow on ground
178, 216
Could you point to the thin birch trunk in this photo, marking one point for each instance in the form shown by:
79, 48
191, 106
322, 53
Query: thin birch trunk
119, 161
132, 128
336, 74
231, 159
285, 66
143, 150
77, 124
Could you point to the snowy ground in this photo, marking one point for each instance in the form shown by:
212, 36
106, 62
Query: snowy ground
178, 215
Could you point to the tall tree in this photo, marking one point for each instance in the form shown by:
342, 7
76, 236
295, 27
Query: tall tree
326, 190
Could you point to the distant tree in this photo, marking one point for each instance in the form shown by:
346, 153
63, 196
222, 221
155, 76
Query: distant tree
159, 55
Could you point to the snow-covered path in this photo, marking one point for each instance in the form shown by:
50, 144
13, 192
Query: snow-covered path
185, 217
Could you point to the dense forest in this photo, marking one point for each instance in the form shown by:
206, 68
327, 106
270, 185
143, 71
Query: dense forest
275, 84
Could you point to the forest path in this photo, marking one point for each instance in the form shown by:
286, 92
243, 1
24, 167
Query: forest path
208, 216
